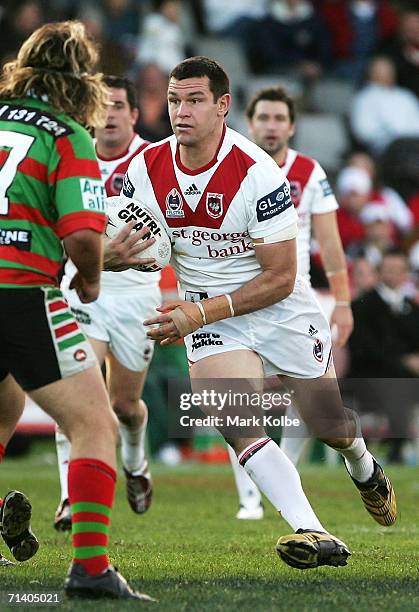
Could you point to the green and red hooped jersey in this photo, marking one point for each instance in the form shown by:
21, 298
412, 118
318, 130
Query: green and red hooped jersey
50, 187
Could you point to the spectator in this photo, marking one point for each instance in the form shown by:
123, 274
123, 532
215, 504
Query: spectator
20, 19
379, 234
357, 28
398, 212
352, 189
292, 37
383, 112
404, 51
161, 40
385, 344
363, 276
153, 123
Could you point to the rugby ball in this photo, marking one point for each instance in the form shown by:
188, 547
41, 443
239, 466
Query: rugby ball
122, 210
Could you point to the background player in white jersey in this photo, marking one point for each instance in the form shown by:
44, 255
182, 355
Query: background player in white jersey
271, 123
113, 322
235, 257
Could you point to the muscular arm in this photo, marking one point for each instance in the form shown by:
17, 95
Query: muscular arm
325, 230
274, 283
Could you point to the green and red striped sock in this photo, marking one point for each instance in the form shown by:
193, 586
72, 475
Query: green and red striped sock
91, 488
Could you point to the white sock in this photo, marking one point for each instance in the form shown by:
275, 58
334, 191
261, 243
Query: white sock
132, 447
278, 479
63, 446
358, 459
294, 445
249, 494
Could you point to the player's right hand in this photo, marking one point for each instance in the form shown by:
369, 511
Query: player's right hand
86, 290
122, 252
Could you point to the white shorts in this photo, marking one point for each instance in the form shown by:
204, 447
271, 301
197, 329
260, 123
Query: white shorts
292, 337
118, 320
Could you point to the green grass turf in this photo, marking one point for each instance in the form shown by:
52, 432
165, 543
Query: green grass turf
192, 554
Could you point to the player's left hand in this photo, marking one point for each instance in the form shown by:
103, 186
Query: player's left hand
178, 319
344, 321
122, 252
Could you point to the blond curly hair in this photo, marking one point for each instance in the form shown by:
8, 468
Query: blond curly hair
56, 61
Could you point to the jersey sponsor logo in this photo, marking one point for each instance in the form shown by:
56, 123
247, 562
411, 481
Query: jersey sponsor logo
296, 191
93, 194
214, 205
174, 204
273, 203
326, 188
18, 238
318, 350
127, 187
205, 339
117, 182
32, 116
192, 190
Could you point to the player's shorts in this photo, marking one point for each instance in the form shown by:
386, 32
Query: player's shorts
291, 337
41, 342
117, 319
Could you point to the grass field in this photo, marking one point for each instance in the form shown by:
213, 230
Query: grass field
192, 554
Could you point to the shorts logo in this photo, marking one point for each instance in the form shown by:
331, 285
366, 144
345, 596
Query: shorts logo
117, 183
127, 187
204, 339
273, 203
318, 350
296, 192
174, 204
80, 355
214, 205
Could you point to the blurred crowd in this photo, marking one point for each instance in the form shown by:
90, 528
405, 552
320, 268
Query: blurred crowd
353, 63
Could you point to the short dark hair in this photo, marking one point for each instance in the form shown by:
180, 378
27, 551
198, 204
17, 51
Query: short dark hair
272, 94
200, 66
118, 82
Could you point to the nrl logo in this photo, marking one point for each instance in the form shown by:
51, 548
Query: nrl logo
174, 204
214, 205
117, 182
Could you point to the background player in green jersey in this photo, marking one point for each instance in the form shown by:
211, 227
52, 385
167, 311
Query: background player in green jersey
51, 193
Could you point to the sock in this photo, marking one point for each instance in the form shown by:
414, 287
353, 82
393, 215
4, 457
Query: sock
132, 447
63, 446
278, 479
293, 446
359, 461
249, 494
91, 486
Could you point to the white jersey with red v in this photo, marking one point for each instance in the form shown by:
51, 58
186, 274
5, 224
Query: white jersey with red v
213, 213
311, 194
113, 169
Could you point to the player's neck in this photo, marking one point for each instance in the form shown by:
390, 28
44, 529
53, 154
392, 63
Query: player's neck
112, 151
200, 156
281, 156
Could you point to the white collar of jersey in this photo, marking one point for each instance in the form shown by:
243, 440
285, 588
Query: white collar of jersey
289, 160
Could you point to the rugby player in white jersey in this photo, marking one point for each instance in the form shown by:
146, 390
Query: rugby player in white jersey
271, 124
113, 322
234, 253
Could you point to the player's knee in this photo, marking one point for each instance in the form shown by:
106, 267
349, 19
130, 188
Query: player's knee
129, 411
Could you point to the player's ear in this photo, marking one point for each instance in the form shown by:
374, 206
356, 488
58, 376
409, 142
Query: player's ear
135, 113
292, 130
224, 103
